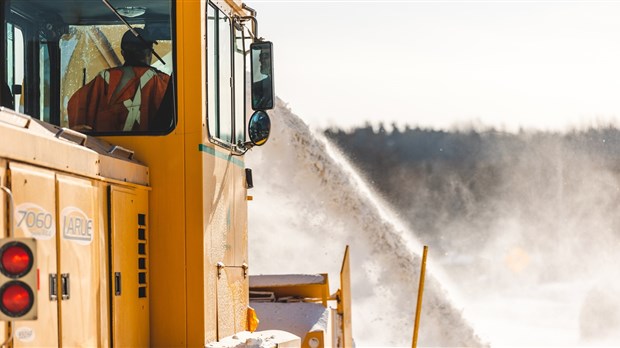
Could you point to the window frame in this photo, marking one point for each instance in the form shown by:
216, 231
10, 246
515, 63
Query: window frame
234, 145
237, 26
4, 8
30, 93
33, 69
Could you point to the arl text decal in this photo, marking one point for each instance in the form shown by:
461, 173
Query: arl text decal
76, 225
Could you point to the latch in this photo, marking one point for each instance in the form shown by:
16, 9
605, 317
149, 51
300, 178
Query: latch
53, 287
117, 283
65, 286
126, 152
71, 135
221, 266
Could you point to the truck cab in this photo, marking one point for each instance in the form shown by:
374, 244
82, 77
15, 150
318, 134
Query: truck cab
137, 234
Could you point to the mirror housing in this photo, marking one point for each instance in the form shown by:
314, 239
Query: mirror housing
259, 129
261, 58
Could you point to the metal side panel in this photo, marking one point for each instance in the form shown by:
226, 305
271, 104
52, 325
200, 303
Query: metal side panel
129, 268
113, 168
34, 195
45, 150
79, 271
240, 229
221, 233
66, 150
104, 265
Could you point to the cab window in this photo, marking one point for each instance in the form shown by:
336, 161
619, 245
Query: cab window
239, 83
82, 67
225, 79
16, 63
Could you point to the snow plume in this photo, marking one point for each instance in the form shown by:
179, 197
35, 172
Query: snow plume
541, 244
308, 204
526, 224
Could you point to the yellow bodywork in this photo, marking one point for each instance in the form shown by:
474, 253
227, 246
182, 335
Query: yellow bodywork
140, 247
197, 208
193, 195
79, 240
300, 303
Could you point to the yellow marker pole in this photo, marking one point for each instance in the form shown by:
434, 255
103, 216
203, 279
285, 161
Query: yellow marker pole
418, 309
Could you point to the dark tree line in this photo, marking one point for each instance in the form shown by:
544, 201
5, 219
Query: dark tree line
445, 183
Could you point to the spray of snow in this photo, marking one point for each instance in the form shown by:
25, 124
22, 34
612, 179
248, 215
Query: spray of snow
308, 204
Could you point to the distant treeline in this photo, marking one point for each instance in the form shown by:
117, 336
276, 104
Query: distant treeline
445, 182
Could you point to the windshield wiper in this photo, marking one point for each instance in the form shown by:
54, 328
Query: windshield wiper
133, 31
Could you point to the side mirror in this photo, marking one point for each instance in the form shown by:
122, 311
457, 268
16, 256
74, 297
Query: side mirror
259, 128
262, 75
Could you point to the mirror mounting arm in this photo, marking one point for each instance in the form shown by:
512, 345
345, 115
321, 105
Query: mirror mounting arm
251, 17
254, 31
244, 147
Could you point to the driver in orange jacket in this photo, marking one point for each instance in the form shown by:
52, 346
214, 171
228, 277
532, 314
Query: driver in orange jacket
124, 98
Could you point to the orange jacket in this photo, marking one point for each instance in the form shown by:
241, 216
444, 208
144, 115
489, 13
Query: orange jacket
103, 105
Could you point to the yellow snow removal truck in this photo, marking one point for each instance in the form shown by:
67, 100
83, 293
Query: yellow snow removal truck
124, 188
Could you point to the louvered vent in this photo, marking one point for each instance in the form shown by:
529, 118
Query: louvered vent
142, 255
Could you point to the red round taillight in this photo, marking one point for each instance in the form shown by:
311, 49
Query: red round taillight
15, 259
16, 298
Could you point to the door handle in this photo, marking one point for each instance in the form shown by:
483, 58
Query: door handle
53, 287
65, 286
117, 283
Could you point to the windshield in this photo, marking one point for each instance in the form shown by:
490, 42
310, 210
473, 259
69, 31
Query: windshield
76, 64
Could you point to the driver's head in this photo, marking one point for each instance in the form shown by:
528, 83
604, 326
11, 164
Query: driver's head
265, 62
136, 51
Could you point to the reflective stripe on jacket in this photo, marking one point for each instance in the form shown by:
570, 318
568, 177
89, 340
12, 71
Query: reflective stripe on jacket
104, 105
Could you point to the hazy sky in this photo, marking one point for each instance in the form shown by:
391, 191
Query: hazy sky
542, 64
